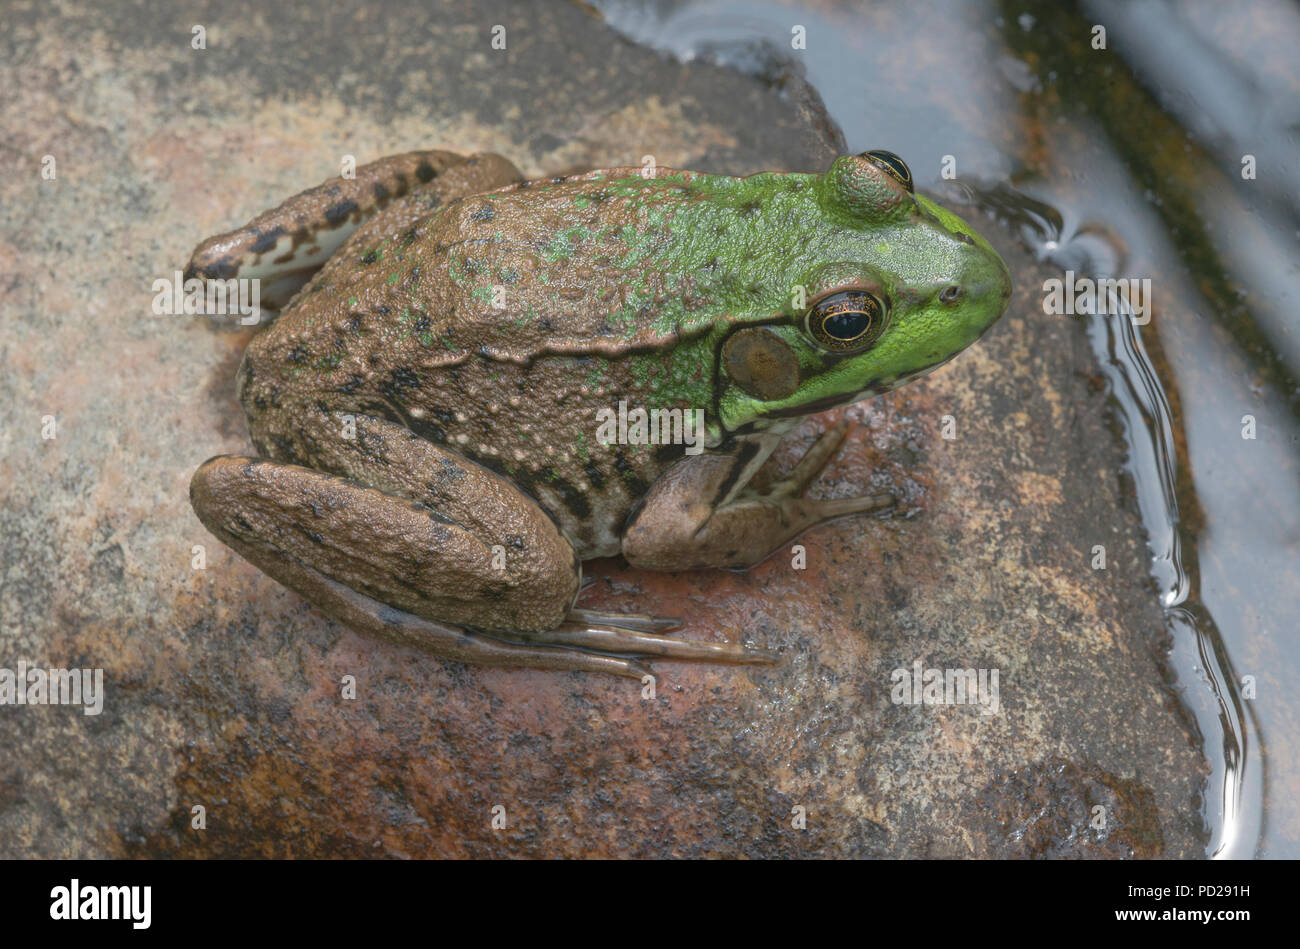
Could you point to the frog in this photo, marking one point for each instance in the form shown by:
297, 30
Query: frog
429, 469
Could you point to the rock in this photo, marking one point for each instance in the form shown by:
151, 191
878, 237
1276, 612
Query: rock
223, 689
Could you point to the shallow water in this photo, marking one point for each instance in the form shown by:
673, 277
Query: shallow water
1120, 161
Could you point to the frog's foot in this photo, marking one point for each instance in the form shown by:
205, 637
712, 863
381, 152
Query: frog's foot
641, 621
284, 247
810, 466
638, 635
702, 514
370, 616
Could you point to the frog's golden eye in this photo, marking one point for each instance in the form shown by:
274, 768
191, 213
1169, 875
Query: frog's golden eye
891, 165
847, 321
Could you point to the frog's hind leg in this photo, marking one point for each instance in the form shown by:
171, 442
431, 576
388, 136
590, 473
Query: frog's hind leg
283, 247
409, 541
376, 563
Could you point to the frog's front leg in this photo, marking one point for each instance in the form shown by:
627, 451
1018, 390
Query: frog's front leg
701, 512
410, 542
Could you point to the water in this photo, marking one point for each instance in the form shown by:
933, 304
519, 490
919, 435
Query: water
1123, 160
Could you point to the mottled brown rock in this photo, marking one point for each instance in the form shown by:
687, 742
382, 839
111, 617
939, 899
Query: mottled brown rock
224, 688
1057, 809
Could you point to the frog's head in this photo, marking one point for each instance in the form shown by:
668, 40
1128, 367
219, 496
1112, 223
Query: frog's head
901, 287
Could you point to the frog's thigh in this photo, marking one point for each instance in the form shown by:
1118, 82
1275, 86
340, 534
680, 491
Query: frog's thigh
506, 567
701, 514
266, 511
285, 246
394, 461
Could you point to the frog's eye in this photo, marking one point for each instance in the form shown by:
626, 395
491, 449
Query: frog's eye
847, 321
891, 165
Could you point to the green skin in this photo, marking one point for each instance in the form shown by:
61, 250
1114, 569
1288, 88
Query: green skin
425, 407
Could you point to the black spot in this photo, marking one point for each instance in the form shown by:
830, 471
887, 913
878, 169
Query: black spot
265, 241
635, 484
340, 212
370, 256
594, 475
667, 453
399, 381
429, 431
354, 382
222, 269
523, 478
483, 212
424, 171
743, 458
298, 354
576, 501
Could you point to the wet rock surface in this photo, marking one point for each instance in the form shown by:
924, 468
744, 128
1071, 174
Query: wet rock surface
224, 690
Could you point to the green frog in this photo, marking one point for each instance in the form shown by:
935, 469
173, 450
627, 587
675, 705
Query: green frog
429, 405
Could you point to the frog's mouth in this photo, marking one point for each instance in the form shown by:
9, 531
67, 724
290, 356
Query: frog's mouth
875, 387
